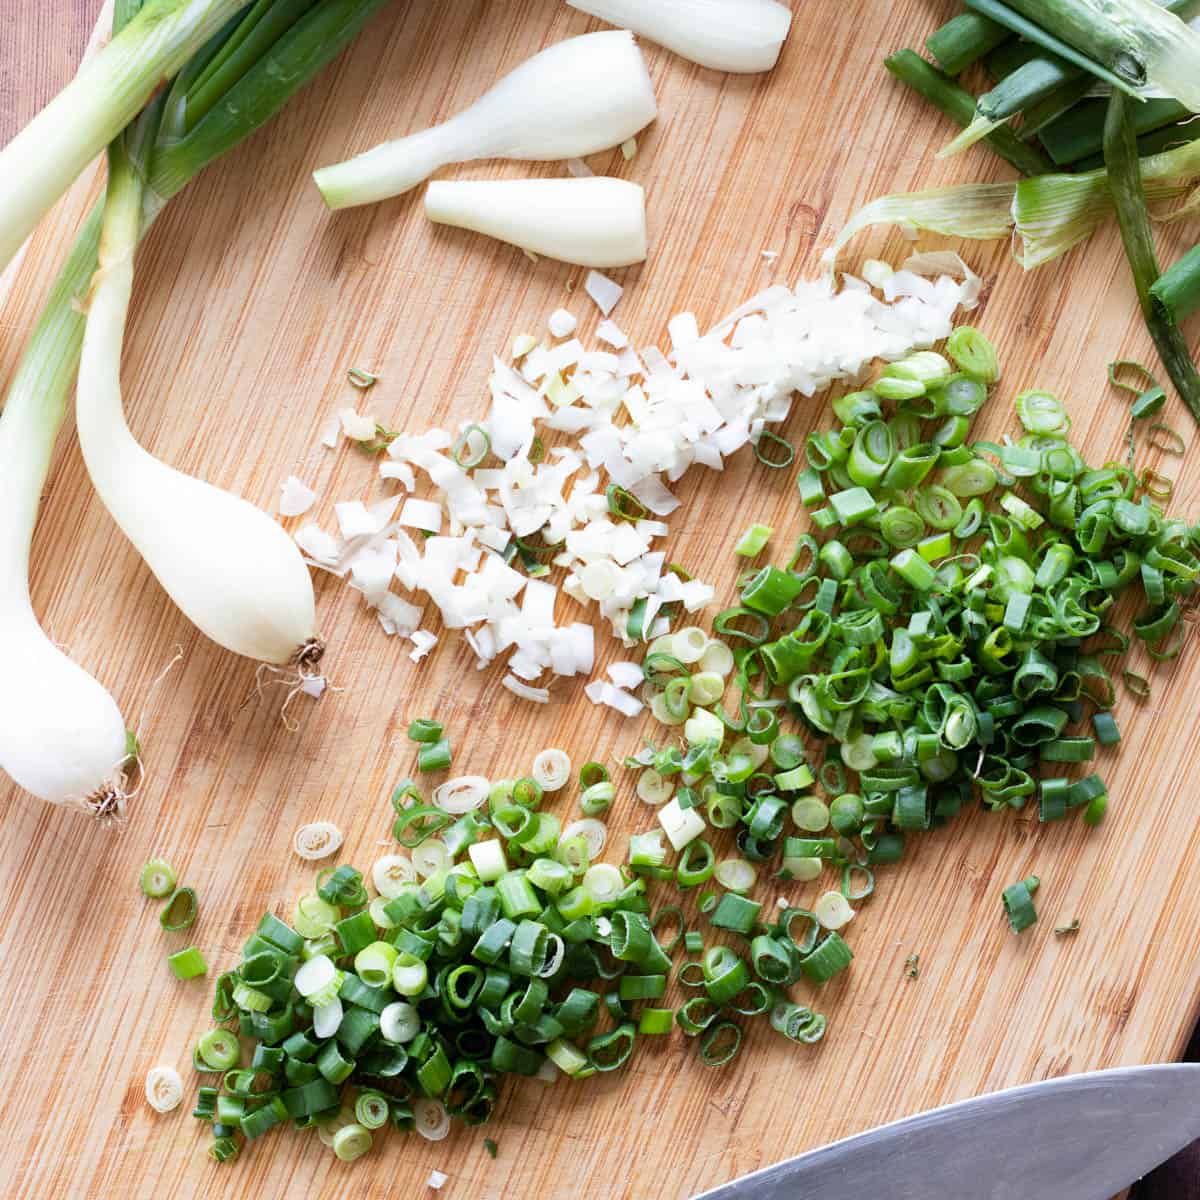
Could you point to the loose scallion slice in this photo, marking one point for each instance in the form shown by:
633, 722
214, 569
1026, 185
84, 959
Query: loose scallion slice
1018, 903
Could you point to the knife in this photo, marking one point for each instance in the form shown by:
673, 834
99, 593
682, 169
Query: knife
1079, 1137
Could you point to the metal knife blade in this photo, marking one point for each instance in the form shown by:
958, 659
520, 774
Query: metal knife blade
1079, 1137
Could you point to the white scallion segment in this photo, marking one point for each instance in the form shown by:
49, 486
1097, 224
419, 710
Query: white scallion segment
810, 814
717, 657
317, 973
603, 882
688, 645
62, 736
706, 687
378, 914
399, 1023
430, 1119
802, 869
164, 1089
554, 956
327, 1127
736, 874
488, 859
739, 36
857, 754
43, 160
430, 857
757, 754
391, 873
703, 726
832, 910
681, 825
663, 715
230, 568
596, 222
593, 832
461, 795
566, 1056
317, 840
654, 788
327, 1019
436, 1180
575, 98
552, 769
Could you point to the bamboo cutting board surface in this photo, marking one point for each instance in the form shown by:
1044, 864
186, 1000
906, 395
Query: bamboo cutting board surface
251, 303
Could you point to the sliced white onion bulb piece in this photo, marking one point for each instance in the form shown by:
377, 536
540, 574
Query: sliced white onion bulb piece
391, 873
164, 1089
552, 769
231, 569
597, 222
575, 98
317, 840
740, 36
430, 1119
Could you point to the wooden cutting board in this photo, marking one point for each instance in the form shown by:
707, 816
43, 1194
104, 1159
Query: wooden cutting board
251, 303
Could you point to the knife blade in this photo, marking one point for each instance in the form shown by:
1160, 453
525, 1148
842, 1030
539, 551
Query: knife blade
1078, 1137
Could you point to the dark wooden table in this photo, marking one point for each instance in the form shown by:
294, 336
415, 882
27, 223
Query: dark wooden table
40, 48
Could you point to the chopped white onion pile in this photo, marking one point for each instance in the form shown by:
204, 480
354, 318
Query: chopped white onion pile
164, 1089
637, 420
317, 840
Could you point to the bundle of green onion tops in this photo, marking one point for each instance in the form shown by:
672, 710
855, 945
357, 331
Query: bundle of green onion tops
940, 635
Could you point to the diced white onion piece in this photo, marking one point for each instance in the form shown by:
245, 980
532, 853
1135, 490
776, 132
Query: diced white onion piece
562, 323
537, 694
654, 788
320, 546
164, 1089
391, 873
681, 825
462, 795
578, 169
314, 686
327, 1019
742, 36
594, 832
604, 291
316, 840
832, 910
430, 1119
608, 331
317, 973
331, 432
597, 222
552, 769
423, 641
296, 497
436, 1180
399, 1022
522, 344
736, 874
430, 857
353, 519
355, 426
422, 514
600, 579
626, 674
488, 859
629, 148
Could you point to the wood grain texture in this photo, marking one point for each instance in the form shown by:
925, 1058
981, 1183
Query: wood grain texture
251, 303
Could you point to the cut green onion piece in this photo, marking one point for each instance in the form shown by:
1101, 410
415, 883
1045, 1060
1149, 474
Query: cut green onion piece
425, 730
157, 879
753, 541
1018, 903
187, 964
180, 910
